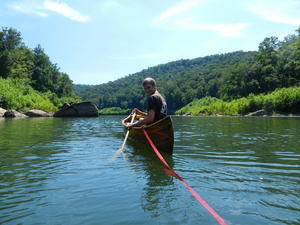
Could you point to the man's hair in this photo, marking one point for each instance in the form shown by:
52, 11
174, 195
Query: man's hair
150, 81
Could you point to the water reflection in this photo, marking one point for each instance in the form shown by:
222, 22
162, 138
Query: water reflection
249, 158
26, 146
142, 157
56, 170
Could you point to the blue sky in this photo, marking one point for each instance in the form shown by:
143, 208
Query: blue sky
96, 41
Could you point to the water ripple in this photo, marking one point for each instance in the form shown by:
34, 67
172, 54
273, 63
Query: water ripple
57, 171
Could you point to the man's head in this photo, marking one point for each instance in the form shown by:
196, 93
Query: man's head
149, 85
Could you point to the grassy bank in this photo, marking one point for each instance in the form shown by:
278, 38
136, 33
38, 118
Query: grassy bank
19, 95
280, 101
114, 111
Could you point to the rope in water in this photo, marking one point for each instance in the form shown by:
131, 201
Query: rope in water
193, 192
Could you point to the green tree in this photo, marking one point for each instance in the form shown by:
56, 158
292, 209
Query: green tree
41, 79
22, 64
10, 39
267, 60
10, 42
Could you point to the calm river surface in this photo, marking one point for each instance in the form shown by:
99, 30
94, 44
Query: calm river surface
60, 171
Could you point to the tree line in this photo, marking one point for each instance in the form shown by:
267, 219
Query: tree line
32, 67
180, 82
229, 76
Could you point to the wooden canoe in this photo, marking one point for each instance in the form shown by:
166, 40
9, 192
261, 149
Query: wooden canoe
160, 132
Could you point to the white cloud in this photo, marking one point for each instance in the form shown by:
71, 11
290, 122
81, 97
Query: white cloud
29, 7
183, 6
225, 30
276, 11
65, 10
183, 16
46, 7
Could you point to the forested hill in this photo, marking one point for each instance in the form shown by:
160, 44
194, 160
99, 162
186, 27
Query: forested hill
32, 71
229, 76
179, 81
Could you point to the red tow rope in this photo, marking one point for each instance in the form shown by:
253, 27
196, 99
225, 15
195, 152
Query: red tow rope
193, 192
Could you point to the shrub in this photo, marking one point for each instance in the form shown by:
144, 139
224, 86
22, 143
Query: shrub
17, 94
114, 111
285, 100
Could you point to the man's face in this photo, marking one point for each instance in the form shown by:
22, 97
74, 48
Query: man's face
149, 89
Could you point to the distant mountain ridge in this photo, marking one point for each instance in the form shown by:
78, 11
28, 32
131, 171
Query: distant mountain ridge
179, 81
228, 76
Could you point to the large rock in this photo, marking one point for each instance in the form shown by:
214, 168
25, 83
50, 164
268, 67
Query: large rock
13, 114
37, 113
261, 112
2, 111
87, 109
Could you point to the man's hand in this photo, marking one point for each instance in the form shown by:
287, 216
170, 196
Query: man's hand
128, 126
136, 111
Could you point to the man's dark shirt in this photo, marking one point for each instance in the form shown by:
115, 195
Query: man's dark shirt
159, 105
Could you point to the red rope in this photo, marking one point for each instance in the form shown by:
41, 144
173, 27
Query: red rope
193, 192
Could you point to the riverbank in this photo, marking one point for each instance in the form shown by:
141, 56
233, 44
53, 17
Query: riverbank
71, 109
39, 113
220, 115
24, 114
282, 101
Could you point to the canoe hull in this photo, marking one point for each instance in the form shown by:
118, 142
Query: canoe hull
160, 132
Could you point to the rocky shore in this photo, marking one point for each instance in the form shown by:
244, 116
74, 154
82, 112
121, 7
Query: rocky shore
259, 113
72, 109
23, 114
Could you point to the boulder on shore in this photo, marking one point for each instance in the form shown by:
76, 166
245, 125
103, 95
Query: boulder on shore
261, 112
13, 114
84, 109
2, 111
37, 113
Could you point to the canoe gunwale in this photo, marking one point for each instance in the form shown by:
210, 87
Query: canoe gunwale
144, 127
161, 133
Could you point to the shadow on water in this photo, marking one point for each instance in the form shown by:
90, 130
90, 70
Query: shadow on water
157, 176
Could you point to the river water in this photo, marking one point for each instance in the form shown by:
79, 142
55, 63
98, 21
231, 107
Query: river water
61, 171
